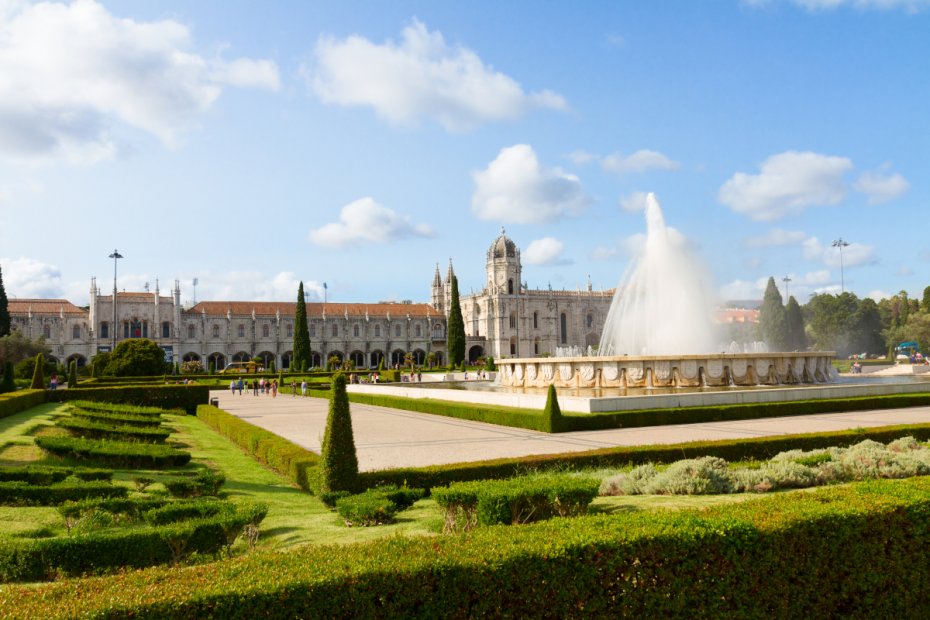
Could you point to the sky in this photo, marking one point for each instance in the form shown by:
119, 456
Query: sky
253, 145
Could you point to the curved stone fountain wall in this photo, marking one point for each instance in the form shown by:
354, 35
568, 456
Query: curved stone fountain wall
742, 369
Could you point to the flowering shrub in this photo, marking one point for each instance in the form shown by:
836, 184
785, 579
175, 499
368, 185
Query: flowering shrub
193, 367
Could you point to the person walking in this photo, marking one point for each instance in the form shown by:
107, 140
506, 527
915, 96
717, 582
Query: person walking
232, 386
303, 387
240, 386
254, 387
274, 388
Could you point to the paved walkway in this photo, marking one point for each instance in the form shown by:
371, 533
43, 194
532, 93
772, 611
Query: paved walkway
386, 438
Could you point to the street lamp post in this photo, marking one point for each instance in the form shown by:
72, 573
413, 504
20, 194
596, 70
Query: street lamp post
786, 280
839, 243
115, 256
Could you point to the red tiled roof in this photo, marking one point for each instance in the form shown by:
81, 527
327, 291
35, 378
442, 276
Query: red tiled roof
287, 308
43, 306
737, 315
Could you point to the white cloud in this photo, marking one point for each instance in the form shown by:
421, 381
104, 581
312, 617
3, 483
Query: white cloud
881, 187
853, 254
516, 188
877, 295
634, 203
910, 6
787, 183
776, 237
420, 78
71, 75
743, 289
545, 251
252, 286
29, 278
366, 221
640, 161
602, 252
580, 157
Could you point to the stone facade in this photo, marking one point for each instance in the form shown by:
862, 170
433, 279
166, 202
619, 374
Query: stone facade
508, 319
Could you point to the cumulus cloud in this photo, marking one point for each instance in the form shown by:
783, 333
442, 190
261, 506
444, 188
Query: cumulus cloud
799, 286
643, 160
743, 289
853, 254
420, 78
516, 188
366, 221
29, 278
580, 157
877, 295
881, 187
251, 285
910, 6
603, 252
787, 183
71, 75
545, 251
776, 238
634, 203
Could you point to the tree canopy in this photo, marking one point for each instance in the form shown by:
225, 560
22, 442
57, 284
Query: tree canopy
135, 358
773, 324
456, 327
301, 359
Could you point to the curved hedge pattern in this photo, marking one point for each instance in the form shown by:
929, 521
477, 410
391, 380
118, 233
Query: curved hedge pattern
117, 453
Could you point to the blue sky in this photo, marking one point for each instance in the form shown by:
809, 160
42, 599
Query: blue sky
251, 145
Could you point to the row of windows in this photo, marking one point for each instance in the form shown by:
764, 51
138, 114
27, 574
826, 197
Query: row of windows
589, 322
140, 329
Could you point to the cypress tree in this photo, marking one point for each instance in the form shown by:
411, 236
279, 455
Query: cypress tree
4, 309
7, 385
38, 374
301, 358
456, 329
338, 461
552, 414
794, 324
772, 321
72, 374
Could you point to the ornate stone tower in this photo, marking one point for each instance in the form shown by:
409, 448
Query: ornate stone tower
438, 296
503, 267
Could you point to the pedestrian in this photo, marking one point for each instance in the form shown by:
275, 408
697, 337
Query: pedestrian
53, 382
274, 388
240, 386
232, 386
254, 387
303, 387
294, 388
261, 384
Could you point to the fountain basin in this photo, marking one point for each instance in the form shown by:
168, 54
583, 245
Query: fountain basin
627, 371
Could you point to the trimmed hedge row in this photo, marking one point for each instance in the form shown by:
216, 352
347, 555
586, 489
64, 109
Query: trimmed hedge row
136, 411
14, 402
732, 450
127, 419
48, 558
20, 493
535, 420
117, 453
40, 475
852, 551
132, 507
185, 397
93, 429
288, 459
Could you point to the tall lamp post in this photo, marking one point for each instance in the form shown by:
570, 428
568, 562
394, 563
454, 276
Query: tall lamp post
786, 280
115, 256
839, 243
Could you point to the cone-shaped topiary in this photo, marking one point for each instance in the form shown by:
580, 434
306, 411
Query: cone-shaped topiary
301, 343
552, 414
455, 337
38, 375
72, 374
7, 385
338, 461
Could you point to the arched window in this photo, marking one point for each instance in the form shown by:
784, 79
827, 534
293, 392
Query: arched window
241, 330
192, 331
335, 331
513, 320
265, 331
536, 346
535, 320
104, 329
166, 329
589, 321
417, 331
510, 286
563, 329
290, 332
76, 332
397, 331
355, 332
377, 331
513, 346
313, 331
216, 331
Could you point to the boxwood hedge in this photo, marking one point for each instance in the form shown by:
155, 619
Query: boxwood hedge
116, 453
852, 551
124, 419
34, 474
185, 397
14, 402
95, 429
20, 493
135, 411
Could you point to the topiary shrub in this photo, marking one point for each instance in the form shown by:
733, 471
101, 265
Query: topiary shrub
72, 374
552, 414
366, 509
338, 461
8, 384
489, 364
38, 375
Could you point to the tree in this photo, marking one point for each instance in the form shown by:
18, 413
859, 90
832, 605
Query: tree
772, 322
8, 384
924, 303
72, 374
38, 375
338, 461
866, 331
135, 358
301, 358
4, 309
456, 328
99, 364
829, 319
15, 348
552, 414
794, 323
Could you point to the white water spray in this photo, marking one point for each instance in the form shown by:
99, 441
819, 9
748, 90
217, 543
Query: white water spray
664, 303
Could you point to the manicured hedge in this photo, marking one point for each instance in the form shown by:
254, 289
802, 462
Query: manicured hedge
140, 412
851, 551
288, 459
132, 507
732, 450
41, 475
14, 402
125, 419
185, 397
41, 559
24, 494
116, 453
99, 429
535, 420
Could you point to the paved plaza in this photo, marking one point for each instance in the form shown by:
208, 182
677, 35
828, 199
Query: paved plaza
386, 438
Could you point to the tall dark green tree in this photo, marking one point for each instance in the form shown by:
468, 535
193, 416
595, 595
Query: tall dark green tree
794, 322
4, 309
301, 358
924, 303
455, 338
38, 375
773, 324
552, 414
338, 460
830, 321
866, 330
72, 374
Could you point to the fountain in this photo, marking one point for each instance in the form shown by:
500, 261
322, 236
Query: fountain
659, 332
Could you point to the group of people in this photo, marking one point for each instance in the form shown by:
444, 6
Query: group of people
258, 386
